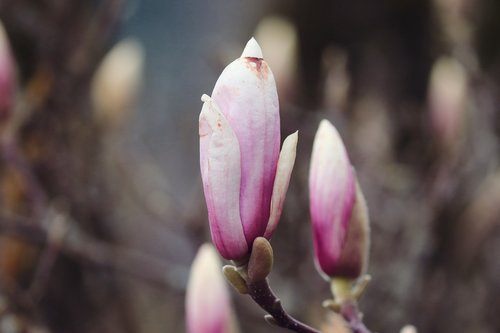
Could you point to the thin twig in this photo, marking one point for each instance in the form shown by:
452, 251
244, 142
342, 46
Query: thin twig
352, 316
12, 155
262, 294
85, 248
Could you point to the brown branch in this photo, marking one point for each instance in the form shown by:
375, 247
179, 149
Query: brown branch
353, 317
261, 293
84, 248
13, 156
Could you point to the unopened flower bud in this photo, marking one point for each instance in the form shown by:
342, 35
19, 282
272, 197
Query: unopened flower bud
408, 329
447, 101
338, 209
7, 78
117, 82
207, 300
278, 36
245, 177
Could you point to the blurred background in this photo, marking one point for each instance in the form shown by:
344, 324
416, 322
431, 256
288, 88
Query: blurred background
101, 205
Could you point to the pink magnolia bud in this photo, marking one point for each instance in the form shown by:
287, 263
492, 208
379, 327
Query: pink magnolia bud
447, 98
7, 77
245, 178
117, 82
338, 210
207, 300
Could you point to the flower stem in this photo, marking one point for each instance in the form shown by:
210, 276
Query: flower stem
349, 310
261, 293
346, 299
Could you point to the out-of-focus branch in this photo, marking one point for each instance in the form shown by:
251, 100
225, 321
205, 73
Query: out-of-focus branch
352, 316
10, 152
84, 248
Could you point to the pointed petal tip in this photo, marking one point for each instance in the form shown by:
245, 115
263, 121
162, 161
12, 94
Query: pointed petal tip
252, 50
290, 142
205, 98
294, 136
325, 124
327, 130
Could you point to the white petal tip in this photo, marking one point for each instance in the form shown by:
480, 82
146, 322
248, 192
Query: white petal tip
252, 50
325, 123
205, 98
292, 138
326, 128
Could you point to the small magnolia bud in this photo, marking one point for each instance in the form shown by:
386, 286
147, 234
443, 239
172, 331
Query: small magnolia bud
7, 78
338, 210
116, 83
235, 279
207, 299
245, 178
331, 196
261, 260
447, 101
409, 329
278, 36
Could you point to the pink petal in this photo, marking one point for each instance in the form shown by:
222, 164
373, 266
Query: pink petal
354, 258
8, 77
220, 172
207, 299
284, 171
246, 94
331, 188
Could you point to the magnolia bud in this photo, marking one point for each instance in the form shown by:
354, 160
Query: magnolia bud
116, 83
447, 101
338, 209
245, 178
278, 36
207, 300
408, 329
7, 78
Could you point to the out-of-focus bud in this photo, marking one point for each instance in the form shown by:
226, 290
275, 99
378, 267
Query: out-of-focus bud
245, 177
278, 36
337, 79
408, 329
338, 210
207, 301
117, 82
7, 78
447, 101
